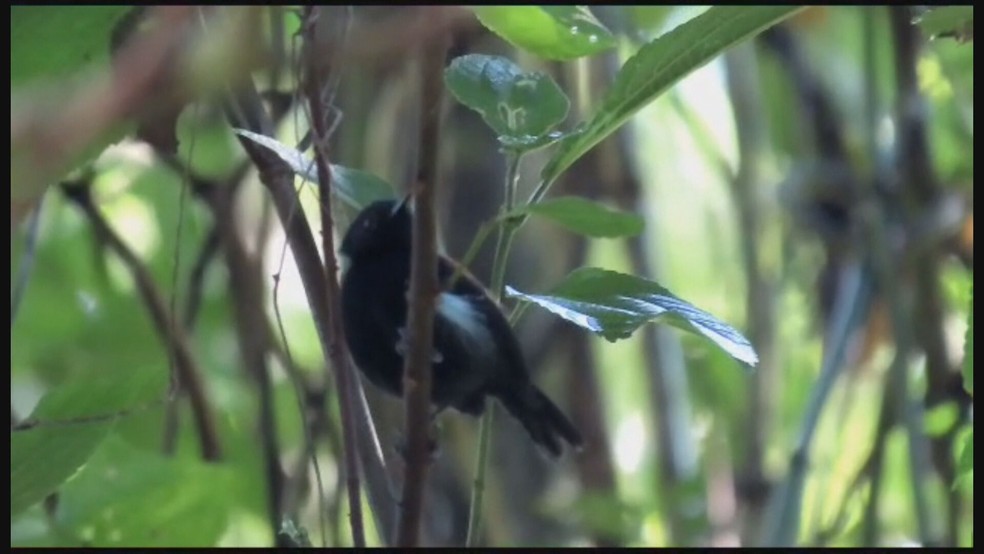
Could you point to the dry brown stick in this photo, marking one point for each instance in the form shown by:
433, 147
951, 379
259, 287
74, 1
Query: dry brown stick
187, 370
422, 296
317, 60
252, 330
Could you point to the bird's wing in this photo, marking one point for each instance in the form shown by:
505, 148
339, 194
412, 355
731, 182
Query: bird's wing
486, 312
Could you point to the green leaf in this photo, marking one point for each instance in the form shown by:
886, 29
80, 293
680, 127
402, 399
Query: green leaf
956, 21
48, 46
528, 143
648, 18
129, 497
359, 188
355, 187
552, 32
968, 365
47, 41
66, 427
965, 457
519, 106
586, 217
940, 419
659, 65
614, 305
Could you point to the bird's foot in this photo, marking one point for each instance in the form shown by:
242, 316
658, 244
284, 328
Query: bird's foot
402, 347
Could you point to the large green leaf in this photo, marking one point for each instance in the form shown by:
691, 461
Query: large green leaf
67, 426
355, 187
614, 305
552, 32
586, 217
48, 41
129, 497
49, 45
521, 107
657, 66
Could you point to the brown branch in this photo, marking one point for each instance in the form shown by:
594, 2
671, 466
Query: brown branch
252, 330
423, 293
317, 55
246, 111
187, 371
920, 192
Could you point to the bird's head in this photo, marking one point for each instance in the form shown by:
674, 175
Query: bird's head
383, 226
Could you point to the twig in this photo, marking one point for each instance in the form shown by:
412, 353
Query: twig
742, 67
302, 392
196, 279
317, 52
422, 294
27, 260
853, 298
246, 285
506, 233
919, 190
277, 177
173, 336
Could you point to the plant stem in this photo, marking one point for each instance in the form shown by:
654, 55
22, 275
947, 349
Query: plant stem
509, 227
423, 292
506, 233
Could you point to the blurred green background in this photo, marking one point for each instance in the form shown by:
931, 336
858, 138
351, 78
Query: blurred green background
767, 179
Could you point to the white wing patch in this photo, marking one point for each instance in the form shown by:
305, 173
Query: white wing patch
465, 317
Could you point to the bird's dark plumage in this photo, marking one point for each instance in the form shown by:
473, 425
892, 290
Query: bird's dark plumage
475, 352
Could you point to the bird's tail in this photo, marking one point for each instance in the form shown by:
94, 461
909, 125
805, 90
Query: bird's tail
542, 419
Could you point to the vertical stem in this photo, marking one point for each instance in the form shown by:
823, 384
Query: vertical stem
743, 89
506, 233
509, 227
417, 373
316, 78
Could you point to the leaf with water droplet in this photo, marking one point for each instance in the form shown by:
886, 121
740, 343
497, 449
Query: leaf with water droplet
614, 305
552, 32
521, 107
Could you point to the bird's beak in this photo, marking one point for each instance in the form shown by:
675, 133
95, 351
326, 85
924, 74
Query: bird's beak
401, 204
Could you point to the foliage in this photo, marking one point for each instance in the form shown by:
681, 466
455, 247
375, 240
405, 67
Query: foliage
553, 32
105, 450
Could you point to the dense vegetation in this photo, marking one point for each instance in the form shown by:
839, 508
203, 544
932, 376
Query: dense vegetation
736, 245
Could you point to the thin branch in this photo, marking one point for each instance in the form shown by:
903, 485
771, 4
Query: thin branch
310, 406
246, 111
27, 260
507, 231
920, 192
853, 298
187, 370
252, 330
318, 51
743, 89
422, 295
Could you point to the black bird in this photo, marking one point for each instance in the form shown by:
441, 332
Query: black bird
476, 353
